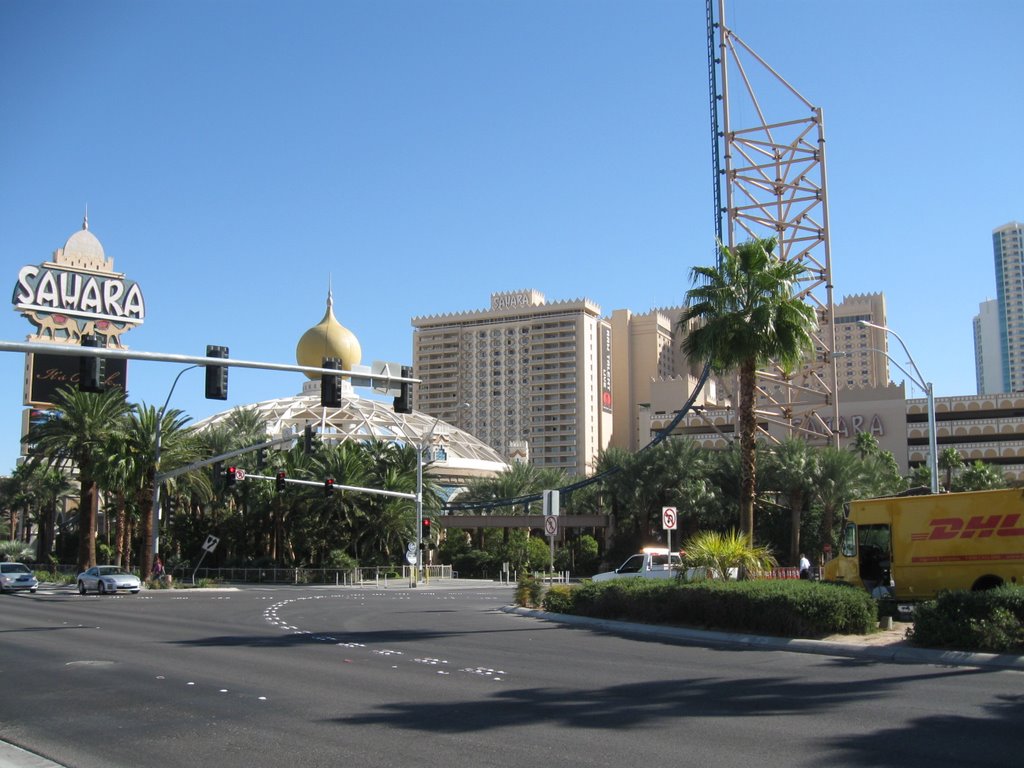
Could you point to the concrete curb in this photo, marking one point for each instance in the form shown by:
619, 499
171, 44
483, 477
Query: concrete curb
899, 654
16, 757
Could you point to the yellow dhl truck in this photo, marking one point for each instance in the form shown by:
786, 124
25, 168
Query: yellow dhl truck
911, 547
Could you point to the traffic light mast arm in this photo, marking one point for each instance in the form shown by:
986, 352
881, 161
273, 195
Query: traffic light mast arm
337, 486
161, 476
73, 350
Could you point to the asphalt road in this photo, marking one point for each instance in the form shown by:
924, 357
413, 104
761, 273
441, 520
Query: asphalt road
439, 676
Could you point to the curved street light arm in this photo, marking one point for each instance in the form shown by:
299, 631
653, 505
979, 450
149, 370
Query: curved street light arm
929, 391
920, 379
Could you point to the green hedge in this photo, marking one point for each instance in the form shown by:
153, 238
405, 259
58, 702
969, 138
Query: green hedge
991, 621
785, 608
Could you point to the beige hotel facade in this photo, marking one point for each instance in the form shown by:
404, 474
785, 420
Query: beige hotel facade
556, 383
530, 378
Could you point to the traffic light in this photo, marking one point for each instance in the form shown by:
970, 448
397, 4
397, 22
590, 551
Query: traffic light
403, 403
330, 384
218, 475
92, 371
261, 458
280, 482
307, 439
328, 487
230, 477
426, 527
216, 375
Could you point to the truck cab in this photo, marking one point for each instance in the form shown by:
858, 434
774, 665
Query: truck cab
865, 557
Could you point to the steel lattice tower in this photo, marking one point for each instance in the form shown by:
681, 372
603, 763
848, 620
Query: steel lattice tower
772, 173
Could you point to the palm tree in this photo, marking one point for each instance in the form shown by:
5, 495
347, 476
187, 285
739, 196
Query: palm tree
19, 497
52, 488
616, 499
79, 434
979, 476
864, 444
297, 507
838, 478
343, 521
880, 472
673, 473
246, 426
746, 314
792, 470
950, 460
515, 482
139, 456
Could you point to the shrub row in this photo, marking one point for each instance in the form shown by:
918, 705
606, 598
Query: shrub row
990, 621
785, 608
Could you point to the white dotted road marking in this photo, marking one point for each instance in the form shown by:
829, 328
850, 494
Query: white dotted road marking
271, 616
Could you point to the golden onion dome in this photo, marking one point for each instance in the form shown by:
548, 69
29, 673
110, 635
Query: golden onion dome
328, 338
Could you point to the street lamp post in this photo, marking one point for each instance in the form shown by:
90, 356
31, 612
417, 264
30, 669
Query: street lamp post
929, 391
421, 449
155, 512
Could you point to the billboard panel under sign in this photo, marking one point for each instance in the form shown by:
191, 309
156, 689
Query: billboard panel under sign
48, 373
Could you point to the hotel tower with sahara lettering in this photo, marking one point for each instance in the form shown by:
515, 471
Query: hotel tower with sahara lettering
556, 383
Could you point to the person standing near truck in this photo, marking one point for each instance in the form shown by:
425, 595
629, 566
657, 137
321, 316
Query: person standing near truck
805, 567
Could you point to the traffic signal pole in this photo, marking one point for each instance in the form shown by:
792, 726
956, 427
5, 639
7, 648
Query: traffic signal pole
419, 512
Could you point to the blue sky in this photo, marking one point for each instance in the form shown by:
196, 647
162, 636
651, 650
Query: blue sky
236, 155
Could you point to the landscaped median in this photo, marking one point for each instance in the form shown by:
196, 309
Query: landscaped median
990, 622
791, 608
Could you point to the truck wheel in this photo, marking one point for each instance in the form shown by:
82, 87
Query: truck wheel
987, 582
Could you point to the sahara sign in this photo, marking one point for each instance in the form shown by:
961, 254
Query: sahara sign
45, 289
79, 294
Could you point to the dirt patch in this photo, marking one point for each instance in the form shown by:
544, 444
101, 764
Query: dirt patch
895, 636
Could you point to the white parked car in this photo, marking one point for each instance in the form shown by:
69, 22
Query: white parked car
108, 580
15, 576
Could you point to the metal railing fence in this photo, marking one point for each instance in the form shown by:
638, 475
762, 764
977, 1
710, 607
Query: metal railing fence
377, 576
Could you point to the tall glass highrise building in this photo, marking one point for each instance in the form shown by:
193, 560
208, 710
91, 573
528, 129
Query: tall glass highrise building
1008, 247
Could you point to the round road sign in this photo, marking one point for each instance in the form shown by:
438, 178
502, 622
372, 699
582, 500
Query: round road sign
668, 518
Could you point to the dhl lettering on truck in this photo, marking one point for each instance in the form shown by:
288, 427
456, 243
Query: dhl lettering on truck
983, 526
